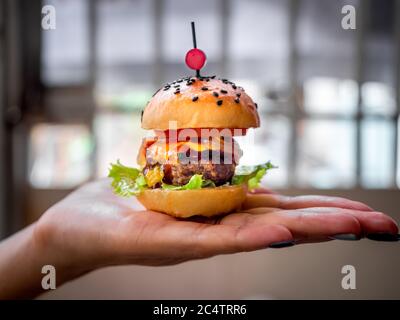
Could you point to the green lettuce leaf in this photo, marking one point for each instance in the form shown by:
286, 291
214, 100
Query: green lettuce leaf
195, 182
251, 175
126, 181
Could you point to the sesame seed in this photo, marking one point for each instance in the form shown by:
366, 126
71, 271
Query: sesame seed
215, 94
177, 86
195, 98
166, 88
234, 86
179, 81
204, 88
224, 91
177, 91
219, 102
256, 105
141, 116
238, 94
237, 100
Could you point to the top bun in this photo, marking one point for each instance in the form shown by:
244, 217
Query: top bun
203, 102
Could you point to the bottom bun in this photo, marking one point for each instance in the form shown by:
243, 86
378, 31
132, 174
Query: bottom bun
186, 203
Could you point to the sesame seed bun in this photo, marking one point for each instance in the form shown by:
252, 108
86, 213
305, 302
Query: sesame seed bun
200, 103
206, 202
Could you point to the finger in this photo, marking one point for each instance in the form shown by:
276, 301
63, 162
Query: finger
375, 222
262, 191
203, 240
284, 202
311, 223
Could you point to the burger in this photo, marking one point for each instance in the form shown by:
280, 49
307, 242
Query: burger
189, 166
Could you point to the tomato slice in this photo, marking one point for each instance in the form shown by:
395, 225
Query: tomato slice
168, 133
146, 142
171, 136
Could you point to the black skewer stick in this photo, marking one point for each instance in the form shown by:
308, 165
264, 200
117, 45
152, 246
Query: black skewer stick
195, 44
194, 35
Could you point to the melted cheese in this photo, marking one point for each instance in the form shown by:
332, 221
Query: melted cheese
163, 152
154, 176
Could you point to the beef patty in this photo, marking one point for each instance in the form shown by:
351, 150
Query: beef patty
180, 174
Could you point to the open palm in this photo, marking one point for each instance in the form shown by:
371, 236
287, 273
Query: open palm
92, 227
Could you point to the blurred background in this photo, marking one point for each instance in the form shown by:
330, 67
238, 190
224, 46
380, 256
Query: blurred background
329, 101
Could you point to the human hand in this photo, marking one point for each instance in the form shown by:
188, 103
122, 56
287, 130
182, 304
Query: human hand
93, 228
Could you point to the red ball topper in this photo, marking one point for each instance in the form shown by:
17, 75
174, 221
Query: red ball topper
195, 58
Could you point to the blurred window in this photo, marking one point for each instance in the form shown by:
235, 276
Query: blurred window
326, 153
326, 96
377, 150
65, 50
125, 45
330, 95
60, 155
258, 46
378, 98
324, 49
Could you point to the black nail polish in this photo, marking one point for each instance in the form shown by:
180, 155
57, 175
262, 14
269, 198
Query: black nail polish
345, 236
281, 244
383, 236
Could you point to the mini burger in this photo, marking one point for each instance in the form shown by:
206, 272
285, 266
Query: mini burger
190, 164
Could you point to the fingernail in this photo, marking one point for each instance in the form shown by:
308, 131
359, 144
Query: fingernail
383, 236
281, 244
345, 236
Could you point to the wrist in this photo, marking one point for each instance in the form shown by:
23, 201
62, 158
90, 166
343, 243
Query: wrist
21, 265
49, 249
